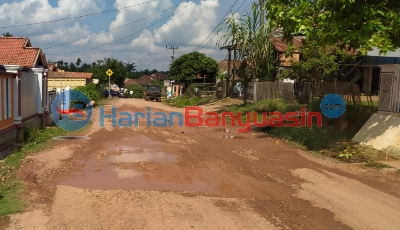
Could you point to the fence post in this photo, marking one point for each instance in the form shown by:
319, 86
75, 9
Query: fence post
255, 95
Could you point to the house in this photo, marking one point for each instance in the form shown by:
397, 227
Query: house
23, 79
60, 79
146, 79
224, 65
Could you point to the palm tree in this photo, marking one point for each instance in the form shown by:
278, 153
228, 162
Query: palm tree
7, 34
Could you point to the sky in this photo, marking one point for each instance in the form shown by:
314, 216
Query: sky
134, 31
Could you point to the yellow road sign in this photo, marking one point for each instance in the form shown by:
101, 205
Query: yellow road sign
109, 72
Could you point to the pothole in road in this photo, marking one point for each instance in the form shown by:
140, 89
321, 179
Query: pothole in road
114, 173
134, 154
116, 178
232, 137
223, 130
61, 138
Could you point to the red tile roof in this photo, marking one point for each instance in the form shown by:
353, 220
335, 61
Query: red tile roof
53, 74
224, 64
281, 46
51, 66
146, 79
18, 51
298, 42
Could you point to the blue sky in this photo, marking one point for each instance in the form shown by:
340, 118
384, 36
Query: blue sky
187, 26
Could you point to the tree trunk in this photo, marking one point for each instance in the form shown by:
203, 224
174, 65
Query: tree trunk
245, 84
311, 99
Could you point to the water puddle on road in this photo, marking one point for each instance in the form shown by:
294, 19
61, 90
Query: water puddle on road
133, 155
110, 175
115, 178
232, 137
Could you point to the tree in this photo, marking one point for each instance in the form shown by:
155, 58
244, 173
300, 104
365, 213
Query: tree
188, 66
317, 63
130, 68
7, 34
252, 40
78, 62
119, 71
347, 23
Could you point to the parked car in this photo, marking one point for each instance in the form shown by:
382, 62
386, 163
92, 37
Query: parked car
112, 93
152, 92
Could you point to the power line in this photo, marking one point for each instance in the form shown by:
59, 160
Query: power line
195, 21
81, 16
217, 25
125, 36
231, 17
93, 35
184, 23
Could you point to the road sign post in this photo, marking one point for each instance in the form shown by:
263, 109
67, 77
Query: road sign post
109, 72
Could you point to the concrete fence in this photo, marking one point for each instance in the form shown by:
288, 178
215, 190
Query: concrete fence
257, 91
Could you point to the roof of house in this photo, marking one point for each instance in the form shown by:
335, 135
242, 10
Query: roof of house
146, 79
281, 46
19, 51
53, 74
52, 66
140, 82
224, 64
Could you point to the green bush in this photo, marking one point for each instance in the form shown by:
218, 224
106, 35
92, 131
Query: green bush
33, 135
90, 90
137, 90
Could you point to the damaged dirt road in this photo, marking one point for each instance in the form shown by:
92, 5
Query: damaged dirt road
196, 178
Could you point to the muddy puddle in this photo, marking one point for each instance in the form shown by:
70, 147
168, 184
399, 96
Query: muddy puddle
232, 137
134, 155
108, 174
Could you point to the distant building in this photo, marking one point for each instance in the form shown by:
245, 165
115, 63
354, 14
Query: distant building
60, 79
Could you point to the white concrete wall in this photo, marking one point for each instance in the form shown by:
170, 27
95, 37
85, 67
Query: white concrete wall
29, 94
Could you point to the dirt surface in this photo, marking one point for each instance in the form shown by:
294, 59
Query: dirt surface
196, 178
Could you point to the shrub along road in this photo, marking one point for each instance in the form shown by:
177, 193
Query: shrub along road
196, 178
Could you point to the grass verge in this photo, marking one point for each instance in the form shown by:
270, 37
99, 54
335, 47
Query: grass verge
329, 140
377, 165
11, 189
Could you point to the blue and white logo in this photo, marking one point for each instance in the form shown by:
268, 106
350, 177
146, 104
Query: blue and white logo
333, 106
71, 110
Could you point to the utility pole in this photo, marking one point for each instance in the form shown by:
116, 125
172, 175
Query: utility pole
262, 12
173, 52
229, 48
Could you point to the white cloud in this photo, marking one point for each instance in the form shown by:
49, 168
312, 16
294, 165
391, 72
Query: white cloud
146, 48
66, 34
202, 18
37, 11
133, 14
